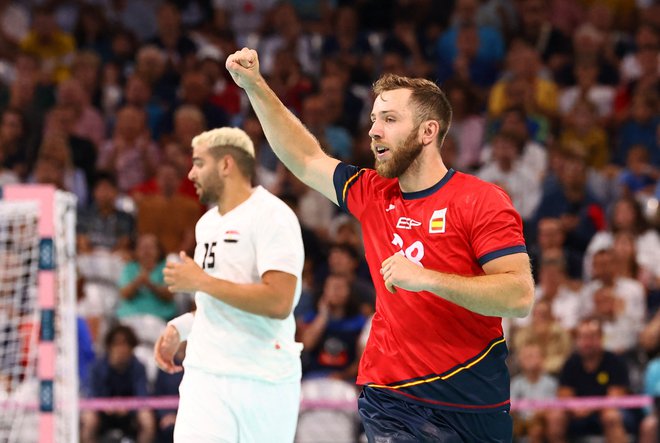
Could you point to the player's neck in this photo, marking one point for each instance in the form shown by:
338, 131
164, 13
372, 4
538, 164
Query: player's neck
422, 174
234, 193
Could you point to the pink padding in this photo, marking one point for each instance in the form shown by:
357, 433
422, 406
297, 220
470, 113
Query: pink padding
46, 291
46, 360
46, 427
44, 194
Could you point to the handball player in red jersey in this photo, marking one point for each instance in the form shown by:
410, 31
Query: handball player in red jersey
446, 253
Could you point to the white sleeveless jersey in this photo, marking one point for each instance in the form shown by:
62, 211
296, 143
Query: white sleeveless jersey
261, 234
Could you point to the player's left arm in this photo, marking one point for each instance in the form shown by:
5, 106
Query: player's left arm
506, 289
272, 297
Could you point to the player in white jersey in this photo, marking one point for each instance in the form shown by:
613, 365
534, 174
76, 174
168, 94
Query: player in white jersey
242, 378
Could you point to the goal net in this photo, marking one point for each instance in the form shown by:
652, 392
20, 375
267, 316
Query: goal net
38, 334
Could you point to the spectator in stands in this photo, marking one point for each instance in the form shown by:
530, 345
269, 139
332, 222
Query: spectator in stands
130, 154
86, 69
244, 17
151, 65
490, 45
60, 122
537, 30
630, 297
118, 374
627, 216
13, 142
30, 98
287, 37
350, 45
180, 50
581, 128
289, 81
532, 383
588, 87
591, 371
336, 140
638, 178
344, 260
142, 286
154, 211
573, 203
54, 47
467, 126
88, 122
525, 85
55, 166
555, 288
138, 92
196, 91
103, 226
330, 333
640, 129
589, 45
550, 236
620, 328
551, 336
92, 30
509, 173
342, 106
224, 92
534, 156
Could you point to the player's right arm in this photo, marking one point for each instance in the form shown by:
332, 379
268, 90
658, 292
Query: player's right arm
170, 340
295, 146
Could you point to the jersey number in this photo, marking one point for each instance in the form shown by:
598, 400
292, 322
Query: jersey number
414, 252
209, 255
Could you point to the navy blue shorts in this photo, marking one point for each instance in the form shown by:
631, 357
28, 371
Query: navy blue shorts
387, 418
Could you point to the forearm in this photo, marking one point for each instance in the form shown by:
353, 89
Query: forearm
313, 332
129, 291
287, 136
497, 295
161, 292
256, 298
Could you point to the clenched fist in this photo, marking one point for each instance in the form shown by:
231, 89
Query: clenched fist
243, 66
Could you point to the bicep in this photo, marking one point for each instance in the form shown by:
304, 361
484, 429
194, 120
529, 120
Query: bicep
281, 283
319, 173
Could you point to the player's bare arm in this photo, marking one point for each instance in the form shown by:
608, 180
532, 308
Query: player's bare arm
272, 297
506, 290
295, 146
165, 348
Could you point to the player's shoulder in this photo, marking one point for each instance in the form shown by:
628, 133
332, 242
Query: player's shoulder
271, 206
473, 187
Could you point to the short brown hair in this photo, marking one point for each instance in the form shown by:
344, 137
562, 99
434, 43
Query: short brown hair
427, 97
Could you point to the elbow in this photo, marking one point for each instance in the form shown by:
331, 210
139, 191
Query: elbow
282, 309
524, 301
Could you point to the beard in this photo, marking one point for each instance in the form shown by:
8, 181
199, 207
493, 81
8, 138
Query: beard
402, 157
211, 192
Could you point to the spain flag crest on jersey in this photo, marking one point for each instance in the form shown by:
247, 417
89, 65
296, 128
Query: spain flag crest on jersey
438, 221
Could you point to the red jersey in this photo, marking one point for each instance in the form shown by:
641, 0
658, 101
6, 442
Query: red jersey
422, 346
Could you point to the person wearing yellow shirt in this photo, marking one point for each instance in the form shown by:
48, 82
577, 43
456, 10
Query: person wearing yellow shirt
53, 47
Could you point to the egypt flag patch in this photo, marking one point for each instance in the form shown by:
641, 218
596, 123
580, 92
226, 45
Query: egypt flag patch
438, 221
231, 237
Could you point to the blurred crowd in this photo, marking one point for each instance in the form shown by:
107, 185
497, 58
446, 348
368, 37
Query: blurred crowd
556, 101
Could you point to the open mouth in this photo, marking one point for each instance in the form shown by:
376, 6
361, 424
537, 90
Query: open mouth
381, 150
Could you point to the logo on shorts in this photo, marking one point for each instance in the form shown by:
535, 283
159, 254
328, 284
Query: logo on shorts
438, 221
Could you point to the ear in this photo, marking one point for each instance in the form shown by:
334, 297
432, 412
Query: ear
430, 130
225, 165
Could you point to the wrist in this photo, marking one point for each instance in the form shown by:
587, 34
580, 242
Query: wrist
183, 325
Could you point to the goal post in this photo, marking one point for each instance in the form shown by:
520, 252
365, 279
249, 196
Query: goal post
38, 225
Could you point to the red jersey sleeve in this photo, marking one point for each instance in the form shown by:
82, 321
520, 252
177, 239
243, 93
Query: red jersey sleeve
354, 182
496, 226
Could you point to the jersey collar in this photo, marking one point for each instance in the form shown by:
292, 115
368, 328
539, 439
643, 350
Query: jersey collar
426, 192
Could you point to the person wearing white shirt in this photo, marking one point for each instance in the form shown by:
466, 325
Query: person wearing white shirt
508, 172
242, 364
